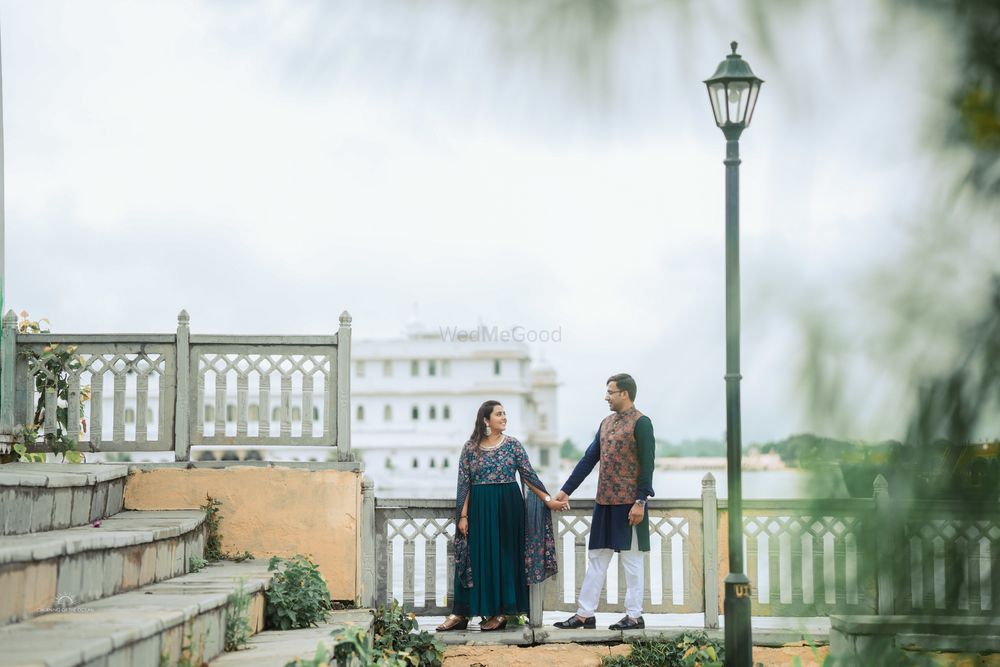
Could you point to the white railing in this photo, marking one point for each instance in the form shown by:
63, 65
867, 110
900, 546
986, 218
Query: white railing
289, 390
807, 558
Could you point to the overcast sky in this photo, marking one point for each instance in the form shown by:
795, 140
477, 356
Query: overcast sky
266, 165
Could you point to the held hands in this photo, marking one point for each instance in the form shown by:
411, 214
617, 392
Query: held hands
463, 526
636, 514
557, 505
559, 502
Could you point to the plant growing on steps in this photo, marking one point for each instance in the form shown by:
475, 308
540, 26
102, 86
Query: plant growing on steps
298, 597
51, 369
238, 619
397, 642
196, 564
396, 630
690, 649
213, 534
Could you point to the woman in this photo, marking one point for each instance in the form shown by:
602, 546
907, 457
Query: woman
498, 549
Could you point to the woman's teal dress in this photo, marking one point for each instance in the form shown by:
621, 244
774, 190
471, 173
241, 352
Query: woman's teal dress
504, 552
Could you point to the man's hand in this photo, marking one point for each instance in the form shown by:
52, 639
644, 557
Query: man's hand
562, 498
636, 514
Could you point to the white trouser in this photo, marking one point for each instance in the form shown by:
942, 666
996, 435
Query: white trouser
597, 572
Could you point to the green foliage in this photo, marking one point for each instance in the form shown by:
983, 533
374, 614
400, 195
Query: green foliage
320, 659
196, 564
238, 619
695, 447
213, 525
213, 534
51, 369
298, 597
690, 649
397, 643
569, 451
396, 630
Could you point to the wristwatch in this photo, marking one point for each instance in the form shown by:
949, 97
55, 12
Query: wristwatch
547, 499
640, 503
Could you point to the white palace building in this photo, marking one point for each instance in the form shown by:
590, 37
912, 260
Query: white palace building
415, 400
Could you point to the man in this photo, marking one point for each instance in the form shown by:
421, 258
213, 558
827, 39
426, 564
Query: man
624, 447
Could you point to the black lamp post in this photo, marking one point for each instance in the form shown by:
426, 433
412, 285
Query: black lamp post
733, 92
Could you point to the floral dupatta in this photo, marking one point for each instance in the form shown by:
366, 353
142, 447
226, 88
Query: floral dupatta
539, 538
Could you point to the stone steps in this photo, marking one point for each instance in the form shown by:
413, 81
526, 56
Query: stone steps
61, 568
279, 647
148, 626
36, 497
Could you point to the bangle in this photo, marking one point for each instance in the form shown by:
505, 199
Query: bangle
464, 516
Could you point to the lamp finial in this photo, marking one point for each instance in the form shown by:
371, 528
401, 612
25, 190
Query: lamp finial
733, 46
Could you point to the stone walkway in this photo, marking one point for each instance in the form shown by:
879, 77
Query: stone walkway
275, 648
590, 655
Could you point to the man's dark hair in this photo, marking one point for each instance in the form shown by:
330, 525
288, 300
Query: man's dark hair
624, 382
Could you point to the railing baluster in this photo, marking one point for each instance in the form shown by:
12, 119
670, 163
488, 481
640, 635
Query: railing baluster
141, 404
221, 379
118, 416
430, 569
751, 565
808, 567
850, 569
819, 566
73, 406
97, 403
51, 421
307, 405
265, 404
795, 564
785, 567
286, 405
242, 387
667, 564
963, 571
774, 563
409, 581
199, 408
8, 368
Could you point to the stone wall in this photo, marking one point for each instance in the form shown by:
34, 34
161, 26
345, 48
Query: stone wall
269, 511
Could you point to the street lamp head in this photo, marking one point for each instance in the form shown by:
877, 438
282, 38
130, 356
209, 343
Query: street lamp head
732, 91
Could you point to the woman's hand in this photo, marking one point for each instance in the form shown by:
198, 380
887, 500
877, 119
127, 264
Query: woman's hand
557, 505
463, 526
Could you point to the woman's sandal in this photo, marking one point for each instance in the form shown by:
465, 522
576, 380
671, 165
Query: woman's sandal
454, 622
495, 623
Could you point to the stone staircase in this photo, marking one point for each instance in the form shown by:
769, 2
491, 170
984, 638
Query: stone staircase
83, 582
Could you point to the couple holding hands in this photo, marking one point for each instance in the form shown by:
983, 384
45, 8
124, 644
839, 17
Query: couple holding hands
501, 545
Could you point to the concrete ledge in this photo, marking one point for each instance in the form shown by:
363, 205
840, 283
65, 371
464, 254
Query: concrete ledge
343, 466
60, 474
512, 636
139, 628
62, 568
38, 497
881, 638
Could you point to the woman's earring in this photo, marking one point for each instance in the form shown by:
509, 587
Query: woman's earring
489, 431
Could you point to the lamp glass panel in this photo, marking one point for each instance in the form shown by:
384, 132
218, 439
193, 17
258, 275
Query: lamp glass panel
737, 101
752, 102
717, 95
